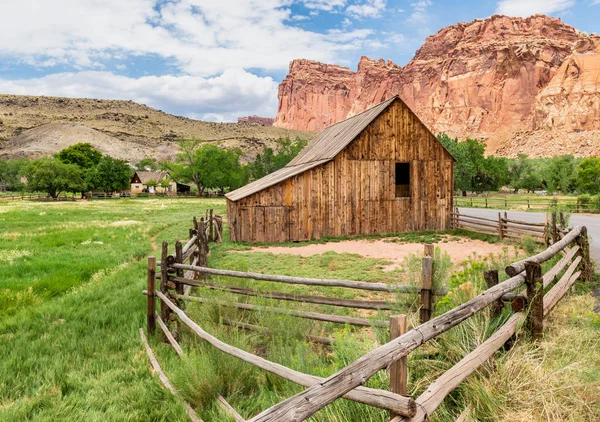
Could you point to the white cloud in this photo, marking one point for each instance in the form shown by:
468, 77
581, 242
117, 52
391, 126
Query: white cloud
227, 96
419, 11
531, 7
367, 9
200, 37
325, 5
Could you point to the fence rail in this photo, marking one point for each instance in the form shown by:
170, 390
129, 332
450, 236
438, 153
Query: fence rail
509, 228
175, 274
575, 205
36, 197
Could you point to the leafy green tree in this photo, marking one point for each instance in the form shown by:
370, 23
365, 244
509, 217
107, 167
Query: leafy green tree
10, 174
151, 183
588, 176
110, 175
524, 174
83, 154
53, 176
164, 184
268, 161
560, 174
147, 164
207, 166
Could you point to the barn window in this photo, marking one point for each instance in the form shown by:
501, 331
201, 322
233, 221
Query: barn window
402, 180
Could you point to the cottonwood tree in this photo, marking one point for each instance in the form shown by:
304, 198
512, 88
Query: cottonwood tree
110, 175
83, 155
207, 166
588, 176
268, 161
10, 174
53, 176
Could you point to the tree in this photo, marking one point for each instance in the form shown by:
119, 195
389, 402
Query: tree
164, 184
268, 161
147, 164
207, 166
559, 173
151, 183
110, 175
83, 154
53, 176
524, 175
588, 176
10, 174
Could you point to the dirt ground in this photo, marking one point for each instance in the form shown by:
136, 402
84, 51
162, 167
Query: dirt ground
458, 250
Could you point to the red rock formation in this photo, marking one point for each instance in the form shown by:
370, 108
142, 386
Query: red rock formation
265, 121
487, 79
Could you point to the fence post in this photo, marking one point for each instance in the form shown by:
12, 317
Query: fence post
164, 280
398, 369
528, 206
535, 294
491, 279
151, 310
586, 264
179, 259
500, 227
426, 286
554, 228
505, 202
202, 247
547, 232
211, 237
562, 220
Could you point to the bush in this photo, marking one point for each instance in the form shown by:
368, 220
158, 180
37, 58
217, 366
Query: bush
143, 195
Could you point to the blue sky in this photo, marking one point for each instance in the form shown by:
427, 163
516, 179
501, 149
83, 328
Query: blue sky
220, 59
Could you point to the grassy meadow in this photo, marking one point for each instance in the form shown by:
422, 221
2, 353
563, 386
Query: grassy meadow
71, 276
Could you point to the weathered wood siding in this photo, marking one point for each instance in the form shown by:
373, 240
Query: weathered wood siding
355, 192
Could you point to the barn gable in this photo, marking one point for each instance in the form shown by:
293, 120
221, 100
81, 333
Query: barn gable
380, 171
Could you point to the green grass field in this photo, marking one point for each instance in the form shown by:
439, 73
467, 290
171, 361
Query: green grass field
71, 276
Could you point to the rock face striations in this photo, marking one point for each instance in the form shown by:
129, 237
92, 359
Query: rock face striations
505, 80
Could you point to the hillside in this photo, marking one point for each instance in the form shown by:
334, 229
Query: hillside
35, 126
523, 85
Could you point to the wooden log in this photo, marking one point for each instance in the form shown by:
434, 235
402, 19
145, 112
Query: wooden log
189, 253
165, 381
524, 223
191, 243
521, 229
202, 247
322, 300
426, 287
398, 369
228, 409
303, 405
491, 279
472, 217
293, 312
327, 341
151, 299
435, 394
464, 220
535, 294
561, 287
179, 259
168, 335
211, 224
519, 266
511, 230
370, 396
429, 250
586, 262
500, 227
361, 285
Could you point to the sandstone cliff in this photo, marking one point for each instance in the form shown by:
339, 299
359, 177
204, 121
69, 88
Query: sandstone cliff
265, 121
502, 79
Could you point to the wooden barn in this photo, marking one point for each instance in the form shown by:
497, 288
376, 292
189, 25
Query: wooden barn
381, 171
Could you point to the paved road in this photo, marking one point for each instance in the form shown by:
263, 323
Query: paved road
591, 221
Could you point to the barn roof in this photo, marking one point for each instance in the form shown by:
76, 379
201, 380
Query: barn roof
146, 176
323, 148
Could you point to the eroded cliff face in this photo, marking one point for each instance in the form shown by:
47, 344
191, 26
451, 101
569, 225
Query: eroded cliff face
490, 79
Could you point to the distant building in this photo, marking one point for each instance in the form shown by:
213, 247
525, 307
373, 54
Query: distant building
140, 179
265, 121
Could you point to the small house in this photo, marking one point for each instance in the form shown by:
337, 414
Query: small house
380, 171
140, 179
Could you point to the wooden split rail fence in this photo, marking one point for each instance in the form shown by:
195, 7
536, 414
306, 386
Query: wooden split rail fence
504, 227
535, 203
541, 293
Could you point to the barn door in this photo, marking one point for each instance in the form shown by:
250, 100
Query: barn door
264, 224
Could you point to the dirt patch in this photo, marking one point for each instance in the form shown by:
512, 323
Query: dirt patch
459, 250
